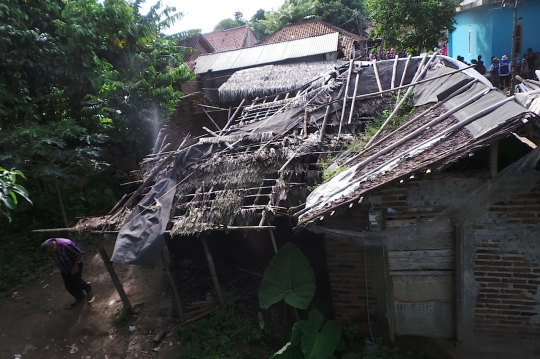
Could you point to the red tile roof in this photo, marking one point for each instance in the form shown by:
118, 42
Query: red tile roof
312, 28
192, 42
230, 39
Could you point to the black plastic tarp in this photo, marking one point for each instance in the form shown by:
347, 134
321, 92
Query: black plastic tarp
141, 237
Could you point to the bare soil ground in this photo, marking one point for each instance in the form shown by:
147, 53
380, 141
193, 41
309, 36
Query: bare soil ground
35, 325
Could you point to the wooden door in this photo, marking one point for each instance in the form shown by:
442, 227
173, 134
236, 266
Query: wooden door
422, 281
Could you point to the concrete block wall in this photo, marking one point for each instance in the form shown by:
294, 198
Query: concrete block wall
506, 243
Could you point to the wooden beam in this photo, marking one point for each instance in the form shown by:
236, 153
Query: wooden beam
219, 229
212, 271
390, 315
173, 285
112, 273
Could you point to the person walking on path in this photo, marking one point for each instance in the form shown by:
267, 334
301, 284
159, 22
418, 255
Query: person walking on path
69, 258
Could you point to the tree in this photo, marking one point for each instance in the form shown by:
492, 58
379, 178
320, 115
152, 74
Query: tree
412, 24
230, 23
341, 13
80, 77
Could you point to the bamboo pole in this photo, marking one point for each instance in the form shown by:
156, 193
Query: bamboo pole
163, 145
173, 285
323, 130
112, 273
146, 182
421, 129
231, 119
354, 97
418, 70
417, 146
396, 109
411, 84
212, 270
210, 118
394, 71
215, 135
403, 75
377, 77
345, 98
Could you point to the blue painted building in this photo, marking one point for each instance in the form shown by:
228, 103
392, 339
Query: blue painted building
484, 28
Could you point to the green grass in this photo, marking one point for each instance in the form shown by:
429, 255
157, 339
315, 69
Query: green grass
21, 262
216, 336
121, 317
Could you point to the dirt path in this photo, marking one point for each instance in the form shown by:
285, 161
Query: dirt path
35, 325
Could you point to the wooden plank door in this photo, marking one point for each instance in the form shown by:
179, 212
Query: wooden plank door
423, 285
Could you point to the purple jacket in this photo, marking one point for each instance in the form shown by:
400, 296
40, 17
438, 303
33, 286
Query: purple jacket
66, 254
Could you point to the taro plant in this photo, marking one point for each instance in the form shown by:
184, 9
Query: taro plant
290, 277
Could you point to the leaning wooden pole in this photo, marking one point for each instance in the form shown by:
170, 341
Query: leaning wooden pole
61, 202
173, 285
212, 270
112, 273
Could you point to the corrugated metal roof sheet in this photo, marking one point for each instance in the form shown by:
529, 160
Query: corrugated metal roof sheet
266, 54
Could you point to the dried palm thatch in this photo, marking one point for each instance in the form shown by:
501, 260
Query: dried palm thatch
273, 79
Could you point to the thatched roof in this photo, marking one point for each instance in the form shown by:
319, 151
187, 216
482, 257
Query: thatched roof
272, 156
273, 79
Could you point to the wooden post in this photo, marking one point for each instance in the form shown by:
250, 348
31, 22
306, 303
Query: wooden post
173, 285
458, 273
112, 273
212, 270
323, 127
306, 115
390, 315
61, 202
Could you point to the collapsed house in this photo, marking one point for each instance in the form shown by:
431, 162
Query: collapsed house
429, 218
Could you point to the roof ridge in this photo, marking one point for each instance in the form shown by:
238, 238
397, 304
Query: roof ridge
223, 30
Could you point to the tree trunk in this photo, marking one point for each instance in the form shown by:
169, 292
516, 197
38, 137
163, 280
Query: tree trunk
513, 60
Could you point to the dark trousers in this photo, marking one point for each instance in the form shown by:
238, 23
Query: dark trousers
75, 284
506, 81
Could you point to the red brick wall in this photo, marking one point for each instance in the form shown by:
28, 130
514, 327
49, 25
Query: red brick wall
346, 273
507, 268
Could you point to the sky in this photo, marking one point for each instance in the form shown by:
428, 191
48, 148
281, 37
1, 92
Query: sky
205, 14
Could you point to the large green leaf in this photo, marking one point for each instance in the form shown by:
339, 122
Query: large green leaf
288, 276
317, 342
297, 331
289, 351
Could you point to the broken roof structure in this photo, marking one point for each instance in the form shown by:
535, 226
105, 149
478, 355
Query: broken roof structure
267, 157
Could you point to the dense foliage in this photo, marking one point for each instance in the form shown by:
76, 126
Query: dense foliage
81, 81
216, 337
230, 23
347, 14
10, 191
411, 24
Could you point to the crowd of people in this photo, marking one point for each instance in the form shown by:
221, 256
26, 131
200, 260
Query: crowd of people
386, 54
500, 70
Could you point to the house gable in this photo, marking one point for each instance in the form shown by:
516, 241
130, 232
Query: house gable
302, 30
231, 39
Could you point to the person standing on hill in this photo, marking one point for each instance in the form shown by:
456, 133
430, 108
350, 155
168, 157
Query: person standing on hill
69, 258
